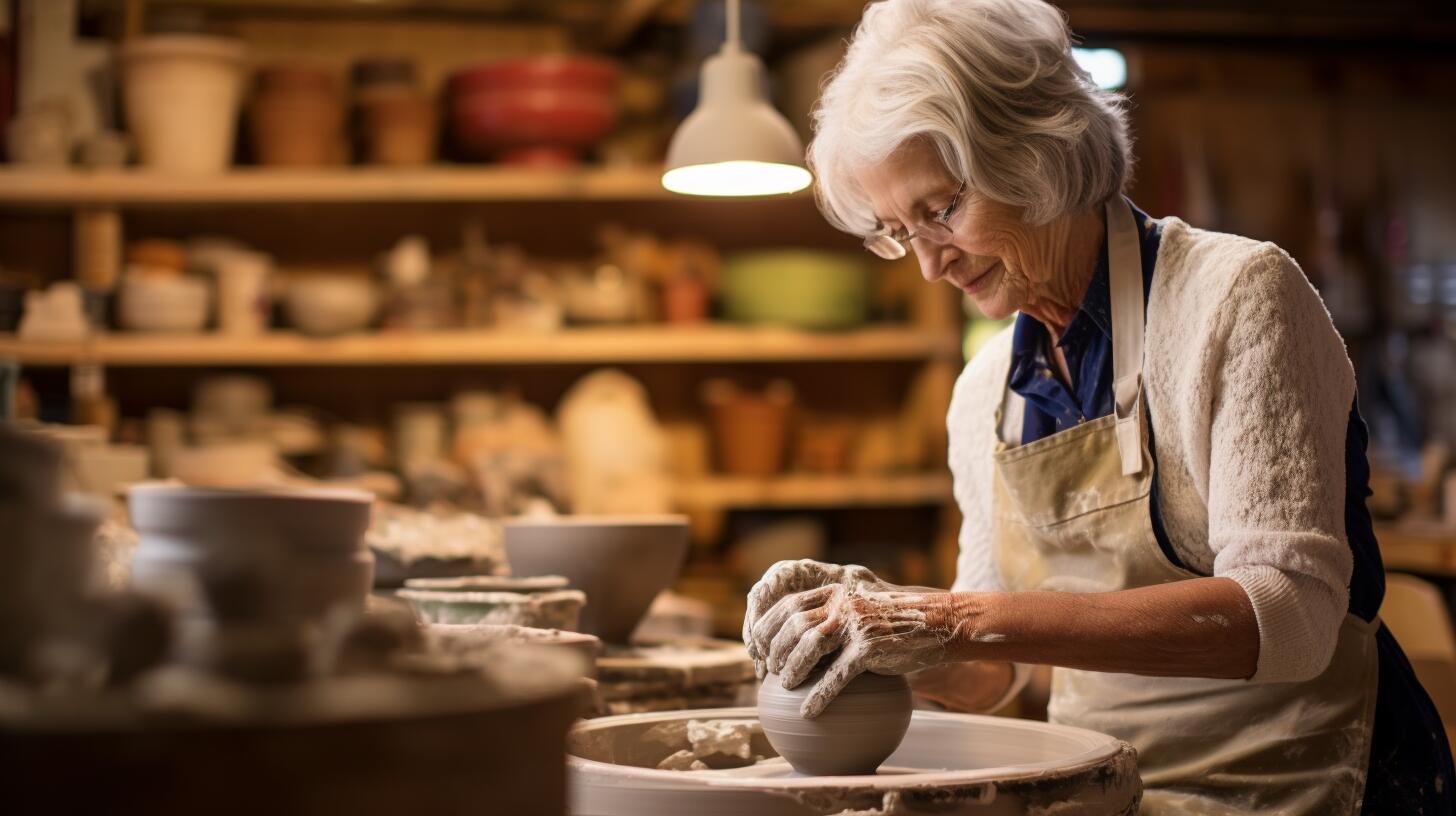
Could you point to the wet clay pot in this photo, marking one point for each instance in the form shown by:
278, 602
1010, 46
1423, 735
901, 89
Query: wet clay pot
857, 732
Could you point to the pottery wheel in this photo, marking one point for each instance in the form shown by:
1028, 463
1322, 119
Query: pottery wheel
692, 673
947, 764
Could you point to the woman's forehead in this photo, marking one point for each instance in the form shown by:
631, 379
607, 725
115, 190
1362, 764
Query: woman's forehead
905, 180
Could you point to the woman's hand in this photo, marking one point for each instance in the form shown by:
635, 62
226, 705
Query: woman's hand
788, 578
874, 625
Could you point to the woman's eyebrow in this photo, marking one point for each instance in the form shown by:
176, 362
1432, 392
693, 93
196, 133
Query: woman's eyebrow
922, 202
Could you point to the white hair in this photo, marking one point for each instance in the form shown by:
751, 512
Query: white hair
992, 86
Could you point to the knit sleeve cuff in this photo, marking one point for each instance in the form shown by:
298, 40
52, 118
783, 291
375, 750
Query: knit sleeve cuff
1299, 621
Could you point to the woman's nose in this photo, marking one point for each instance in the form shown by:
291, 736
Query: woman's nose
933, 262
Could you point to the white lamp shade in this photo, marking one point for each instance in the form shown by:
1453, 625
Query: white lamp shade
735, 143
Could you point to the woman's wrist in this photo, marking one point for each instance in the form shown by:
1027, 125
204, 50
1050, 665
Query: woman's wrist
963, 620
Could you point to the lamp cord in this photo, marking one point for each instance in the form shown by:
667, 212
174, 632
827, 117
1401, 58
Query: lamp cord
732, 42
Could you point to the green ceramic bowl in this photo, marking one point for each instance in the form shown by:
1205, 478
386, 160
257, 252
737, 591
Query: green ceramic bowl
797, 287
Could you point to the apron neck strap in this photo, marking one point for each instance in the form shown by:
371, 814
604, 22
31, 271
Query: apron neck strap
1126, 278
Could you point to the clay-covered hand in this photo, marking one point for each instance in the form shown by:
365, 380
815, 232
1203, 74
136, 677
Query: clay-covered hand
875, 626
790, 578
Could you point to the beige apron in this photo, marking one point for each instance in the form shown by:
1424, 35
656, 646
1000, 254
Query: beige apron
1072, 513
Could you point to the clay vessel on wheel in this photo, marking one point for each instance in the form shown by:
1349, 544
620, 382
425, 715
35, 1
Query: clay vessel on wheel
857, 732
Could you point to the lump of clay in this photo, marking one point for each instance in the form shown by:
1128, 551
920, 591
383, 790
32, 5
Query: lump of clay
857, 732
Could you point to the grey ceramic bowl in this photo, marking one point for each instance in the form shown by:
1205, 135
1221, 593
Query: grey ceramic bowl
620, 562
300, 552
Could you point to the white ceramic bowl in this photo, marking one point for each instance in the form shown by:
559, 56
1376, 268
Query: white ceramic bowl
157, 303
302, 550
620, 562
327, 304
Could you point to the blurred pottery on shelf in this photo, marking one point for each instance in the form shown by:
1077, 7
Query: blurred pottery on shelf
105, 149
399, 127
230, 405
750, 429
239, 464
54, 315
329, 304
157, 255
684, 301
182, 93
242, 292
40, 135
162, 303
533, 110
823, 446
796, 287
297, 117
606, 294
383, 72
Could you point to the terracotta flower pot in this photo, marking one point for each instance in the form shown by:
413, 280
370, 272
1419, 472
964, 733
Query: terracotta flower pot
297, 117
399, 127
750, 430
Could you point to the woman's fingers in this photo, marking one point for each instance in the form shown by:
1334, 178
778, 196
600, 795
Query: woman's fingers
806, 653
845, 668
773, 620
783, 578
794, 630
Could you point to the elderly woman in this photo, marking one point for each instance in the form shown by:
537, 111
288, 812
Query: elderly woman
1161, 466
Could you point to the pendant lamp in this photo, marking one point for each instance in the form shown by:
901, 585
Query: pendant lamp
734, 143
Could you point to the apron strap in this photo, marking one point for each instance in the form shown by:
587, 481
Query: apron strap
1126, 278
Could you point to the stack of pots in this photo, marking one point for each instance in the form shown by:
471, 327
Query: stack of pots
182, 94
297, 116
396, 117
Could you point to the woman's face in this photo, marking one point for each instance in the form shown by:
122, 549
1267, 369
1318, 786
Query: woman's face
985, 255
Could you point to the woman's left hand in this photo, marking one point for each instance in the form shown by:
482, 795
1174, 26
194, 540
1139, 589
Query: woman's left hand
876, 626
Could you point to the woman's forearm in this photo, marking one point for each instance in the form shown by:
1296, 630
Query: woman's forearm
1203, 627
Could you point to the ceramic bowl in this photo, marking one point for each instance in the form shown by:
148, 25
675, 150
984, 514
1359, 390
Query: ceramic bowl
157, 303
556, 609
328, 304
803, 288
620, 562
533, 110
857, 732
296, 553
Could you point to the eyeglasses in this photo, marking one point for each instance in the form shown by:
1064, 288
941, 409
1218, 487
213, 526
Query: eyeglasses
937, 231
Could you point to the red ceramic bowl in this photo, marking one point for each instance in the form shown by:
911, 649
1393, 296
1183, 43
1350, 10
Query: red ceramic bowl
560, 72
533, 111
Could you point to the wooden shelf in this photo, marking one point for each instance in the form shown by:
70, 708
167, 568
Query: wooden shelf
639, 344
460, 183
815, 491
1425, 548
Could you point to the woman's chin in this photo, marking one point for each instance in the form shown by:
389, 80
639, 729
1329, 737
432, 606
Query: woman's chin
994, 308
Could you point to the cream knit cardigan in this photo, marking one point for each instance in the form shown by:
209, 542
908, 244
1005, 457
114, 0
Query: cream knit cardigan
1249, 389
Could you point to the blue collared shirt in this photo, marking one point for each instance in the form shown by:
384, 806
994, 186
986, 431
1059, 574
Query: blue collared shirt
1051, 406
